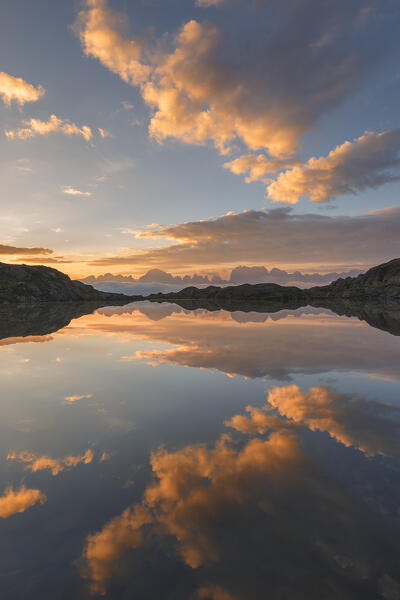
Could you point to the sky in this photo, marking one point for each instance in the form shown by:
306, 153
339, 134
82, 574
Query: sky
198, 135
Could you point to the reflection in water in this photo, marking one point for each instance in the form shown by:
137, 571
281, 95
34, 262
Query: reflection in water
365, 424
55, 465
180, 483
18, 501
304, 342
253, 519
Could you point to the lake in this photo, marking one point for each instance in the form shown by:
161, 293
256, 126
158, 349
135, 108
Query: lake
154, 452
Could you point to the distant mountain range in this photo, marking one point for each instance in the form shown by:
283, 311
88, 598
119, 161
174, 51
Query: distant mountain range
238, 276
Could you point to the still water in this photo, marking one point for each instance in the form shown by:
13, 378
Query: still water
152, 452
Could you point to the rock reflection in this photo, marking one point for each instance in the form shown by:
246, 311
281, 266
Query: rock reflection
278, 345
253, 519
40, 319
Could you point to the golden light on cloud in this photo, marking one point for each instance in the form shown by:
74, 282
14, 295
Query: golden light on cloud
200, 90
72, 399
367, 425
15, 250
71, 191
34, 462
18, 501
34, 127
190, 485
365, 163
18, 90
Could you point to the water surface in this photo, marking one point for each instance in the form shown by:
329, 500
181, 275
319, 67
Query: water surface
149, 452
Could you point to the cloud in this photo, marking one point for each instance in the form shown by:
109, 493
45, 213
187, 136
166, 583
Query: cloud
36, 463
277, 345
370, 426
367, 163
258, 166
73, 399
35, 127
74, 192
104, 133
17, 89
277, 236
18, 501
189, 482
262, 88
250, 519
102, 34
16, 250
205, 3
57, 260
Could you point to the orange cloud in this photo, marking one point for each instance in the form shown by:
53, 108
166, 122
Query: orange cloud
36, 463
213, 593
103, 36
193, 485
17, 89
15, 250
73, 399
54, 124
238, 510
258, 166
352, 421
207, 88
365, 163
18, 501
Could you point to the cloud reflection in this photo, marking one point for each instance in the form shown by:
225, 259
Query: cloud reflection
18, 501
34, 462
370, 426
253, 519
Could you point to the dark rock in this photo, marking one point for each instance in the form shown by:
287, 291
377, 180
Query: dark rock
22, 284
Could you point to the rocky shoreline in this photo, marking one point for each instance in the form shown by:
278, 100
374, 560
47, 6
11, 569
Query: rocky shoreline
23, 284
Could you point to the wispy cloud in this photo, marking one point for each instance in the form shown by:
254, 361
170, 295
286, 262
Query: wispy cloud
4, 249
34, 462
277, 236
76, 398
104, 133
34, 127
71, 191
205, 3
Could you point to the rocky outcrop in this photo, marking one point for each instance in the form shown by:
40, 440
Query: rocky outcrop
381, 282
246, 293
22, 284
